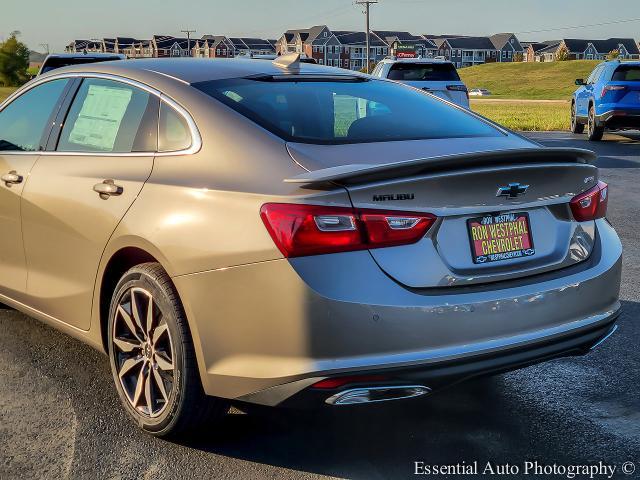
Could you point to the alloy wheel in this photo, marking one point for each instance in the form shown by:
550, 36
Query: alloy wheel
143, 352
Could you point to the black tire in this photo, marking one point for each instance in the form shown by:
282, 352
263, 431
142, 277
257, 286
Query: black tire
184, 409
594, 132
576, 127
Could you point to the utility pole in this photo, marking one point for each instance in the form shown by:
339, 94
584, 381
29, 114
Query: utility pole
46, 47
188, 32
367, 4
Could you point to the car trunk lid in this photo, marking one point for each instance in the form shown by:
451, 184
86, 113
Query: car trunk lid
463, 191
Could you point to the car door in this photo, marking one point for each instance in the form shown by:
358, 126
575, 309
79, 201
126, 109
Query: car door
80, 189
587, 92
24, 126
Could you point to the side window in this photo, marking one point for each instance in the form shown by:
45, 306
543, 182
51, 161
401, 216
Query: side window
174, 131
111, 117
23, 121
594, 75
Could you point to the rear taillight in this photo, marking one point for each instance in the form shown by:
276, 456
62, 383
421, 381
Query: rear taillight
459, 88
591, 204
300, 230
611, 88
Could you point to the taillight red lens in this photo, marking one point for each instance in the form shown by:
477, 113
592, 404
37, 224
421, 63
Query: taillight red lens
300, 230
591, 204
336, 382
611, 88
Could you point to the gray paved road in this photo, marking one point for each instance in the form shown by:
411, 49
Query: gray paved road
60, 417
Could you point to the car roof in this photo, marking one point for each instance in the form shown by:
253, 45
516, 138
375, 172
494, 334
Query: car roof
415, 60
194, 70
85, 55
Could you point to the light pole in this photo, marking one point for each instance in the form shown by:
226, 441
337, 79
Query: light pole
367, 4
188, 32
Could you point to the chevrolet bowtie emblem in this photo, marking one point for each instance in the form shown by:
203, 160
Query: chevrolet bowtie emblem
512, 190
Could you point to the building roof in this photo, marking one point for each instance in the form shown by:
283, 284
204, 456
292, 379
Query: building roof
390, 36
473, 43
536, 46
499, 40
548, 48
358, 38
124, 42
167, 41
576, 45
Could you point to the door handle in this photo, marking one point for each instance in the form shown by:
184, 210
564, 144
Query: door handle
11, 178
107, 189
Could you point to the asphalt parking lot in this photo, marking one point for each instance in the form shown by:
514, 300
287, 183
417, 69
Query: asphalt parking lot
60, 416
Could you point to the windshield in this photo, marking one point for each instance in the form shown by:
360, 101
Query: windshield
432, 72
334, 111
627, 73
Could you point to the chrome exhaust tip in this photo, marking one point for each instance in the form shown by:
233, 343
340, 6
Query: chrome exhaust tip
356, 396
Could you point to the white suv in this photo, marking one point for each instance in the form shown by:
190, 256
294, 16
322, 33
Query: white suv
438, 77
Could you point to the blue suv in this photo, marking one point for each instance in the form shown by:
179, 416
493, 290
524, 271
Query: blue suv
609, 99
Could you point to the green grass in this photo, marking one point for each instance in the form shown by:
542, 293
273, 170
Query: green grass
525, 115
5, 92
528, 80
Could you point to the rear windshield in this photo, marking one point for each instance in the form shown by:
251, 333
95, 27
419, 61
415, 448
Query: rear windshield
432, 72
627, 73
345, 111
53, 63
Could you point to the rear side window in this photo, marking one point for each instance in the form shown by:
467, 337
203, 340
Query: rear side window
110, 117
329, 111
23, 121
58, 62
174, 131
432, 72
627, 73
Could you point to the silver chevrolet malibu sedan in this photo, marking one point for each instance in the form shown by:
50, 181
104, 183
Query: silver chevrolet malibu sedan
287, 234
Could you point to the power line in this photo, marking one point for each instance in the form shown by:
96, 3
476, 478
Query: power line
612, 22
367, 4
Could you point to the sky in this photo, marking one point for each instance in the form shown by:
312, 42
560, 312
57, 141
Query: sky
57, 22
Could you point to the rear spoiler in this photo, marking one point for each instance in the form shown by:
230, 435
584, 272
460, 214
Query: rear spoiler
362, 173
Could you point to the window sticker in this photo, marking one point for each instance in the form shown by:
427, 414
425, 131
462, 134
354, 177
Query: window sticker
99, 119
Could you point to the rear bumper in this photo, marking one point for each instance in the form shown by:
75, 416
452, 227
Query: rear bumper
617, 119
438, 375
265, 332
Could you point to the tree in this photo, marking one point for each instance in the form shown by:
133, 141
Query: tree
613, 54
14, 61
518, 57
562, 53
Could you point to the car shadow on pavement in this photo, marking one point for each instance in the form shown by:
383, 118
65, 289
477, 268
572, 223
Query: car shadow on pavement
573, 410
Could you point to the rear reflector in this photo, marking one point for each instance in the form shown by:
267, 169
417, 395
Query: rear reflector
336, 382
591, 204
300, 230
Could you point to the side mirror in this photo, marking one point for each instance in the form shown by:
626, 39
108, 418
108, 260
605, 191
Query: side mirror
580, 81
